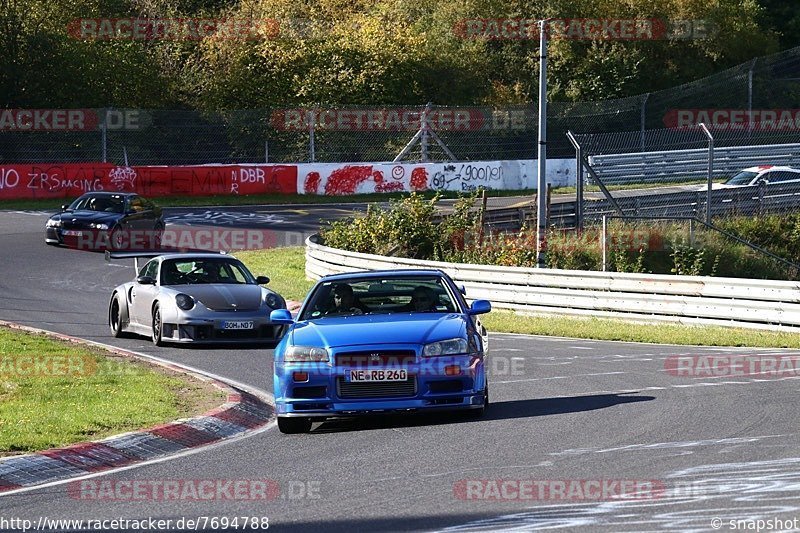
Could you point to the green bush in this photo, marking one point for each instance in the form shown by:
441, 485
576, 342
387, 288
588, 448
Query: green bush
409, 228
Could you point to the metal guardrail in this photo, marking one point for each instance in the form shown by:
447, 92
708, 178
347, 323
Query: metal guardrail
761, 304
754, 200
682, 165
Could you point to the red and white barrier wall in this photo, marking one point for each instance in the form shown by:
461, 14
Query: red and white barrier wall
67, 180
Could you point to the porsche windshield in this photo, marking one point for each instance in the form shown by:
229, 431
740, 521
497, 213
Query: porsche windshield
105, 203
198, 271
742, 178
380, 296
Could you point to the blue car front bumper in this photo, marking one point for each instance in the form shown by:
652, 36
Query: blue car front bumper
432, 383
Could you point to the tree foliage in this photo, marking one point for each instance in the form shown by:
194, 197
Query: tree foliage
364, 52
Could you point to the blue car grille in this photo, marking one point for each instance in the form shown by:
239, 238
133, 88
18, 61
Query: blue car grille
363, 359
377, 389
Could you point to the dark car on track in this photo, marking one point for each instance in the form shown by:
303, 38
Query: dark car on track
103, 220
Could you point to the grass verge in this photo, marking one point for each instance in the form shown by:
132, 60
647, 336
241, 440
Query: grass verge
260, 199
287, 266
54, 393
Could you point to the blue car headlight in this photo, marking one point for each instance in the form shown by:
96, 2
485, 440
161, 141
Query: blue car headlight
184, 301
98, 225
302, 354
54, 223
448, 347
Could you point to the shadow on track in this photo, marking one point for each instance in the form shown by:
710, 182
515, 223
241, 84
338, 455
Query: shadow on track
496, 411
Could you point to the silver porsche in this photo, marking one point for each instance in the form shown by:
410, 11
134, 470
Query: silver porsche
194, 298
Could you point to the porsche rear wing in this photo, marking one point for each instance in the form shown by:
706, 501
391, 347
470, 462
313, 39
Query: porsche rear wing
145, 255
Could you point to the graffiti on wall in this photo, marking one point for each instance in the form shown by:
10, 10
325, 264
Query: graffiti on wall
337, 179
73, 179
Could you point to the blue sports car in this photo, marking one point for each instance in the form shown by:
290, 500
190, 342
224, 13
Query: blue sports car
380, 342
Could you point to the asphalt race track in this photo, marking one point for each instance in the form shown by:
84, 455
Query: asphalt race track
563, 411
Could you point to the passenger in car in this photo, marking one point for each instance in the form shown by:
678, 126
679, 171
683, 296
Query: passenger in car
423, 299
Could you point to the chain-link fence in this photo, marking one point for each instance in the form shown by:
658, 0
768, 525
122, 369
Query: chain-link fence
363, 133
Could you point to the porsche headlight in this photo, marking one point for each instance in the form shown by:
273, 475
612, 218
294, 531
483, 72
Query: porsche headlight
184, 301
274, 301
54, 223
98, 225
448, 347
300, 354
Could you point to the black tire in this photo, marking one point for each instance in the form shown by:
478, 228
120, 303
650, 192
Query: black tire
115, 239
157, 327
479, 412
115, 317
158, 236
294, 425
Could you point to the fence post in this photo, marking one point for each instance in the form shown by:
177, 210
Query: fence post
644, 115
578, 181
750, 97
104, 135
423, 142
311, 140
266, 151
541, 200
603, 241
710, 170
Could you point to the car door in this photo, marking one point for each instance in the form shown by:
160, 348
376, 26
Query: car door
137, 215
142, 295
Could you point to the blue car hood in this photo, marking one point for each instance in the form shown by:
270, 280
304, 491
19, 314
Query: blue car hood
397, 328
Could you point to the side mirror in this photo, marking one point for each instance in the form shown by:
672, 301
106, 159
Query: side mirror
480, 307
64, 207
281, 316
145, 280
262, 280
462, 289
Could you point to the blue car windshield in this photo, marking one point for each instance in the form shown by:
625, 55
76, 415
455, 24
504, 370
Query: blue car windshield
380, 296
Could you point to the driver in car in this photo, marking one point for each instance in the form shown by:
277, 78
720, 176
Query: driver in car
344, 302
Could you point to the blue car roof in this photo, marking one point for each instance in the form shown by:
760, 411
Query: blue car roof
383, 273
